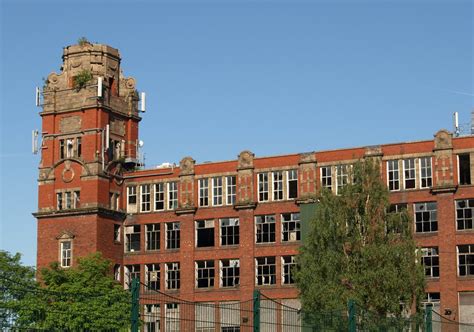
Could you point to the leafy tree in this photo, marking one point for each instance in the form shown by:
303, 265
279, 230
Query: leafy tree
14, 278
358, 250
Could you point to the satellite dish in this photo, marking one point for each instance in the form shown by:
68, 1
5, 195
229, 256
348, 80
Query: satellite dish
141, 143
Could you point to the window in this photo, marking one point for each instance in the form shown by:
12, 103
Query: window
326, 177
464, 213
172, 235
217, 191
117, 269
172, 320
151, 317
342, 176
117, 233
426, 217
70, 147
78, 146
397, 208
229, 231
290, 224
66, 253
393, 175
432, 299
172, 276
288, 264
68, 200
466, 260
203, 192
114, 201
231, 182
230, 272
277, 186
265, 229
292, 176
204, 233
265, 271
145, 198
263, 187
159, 197
131, 272
153, 237
425, 172
132, 195
205, 274
132, 238
409, 173
464, 169
430, 260
152, 276
172, 195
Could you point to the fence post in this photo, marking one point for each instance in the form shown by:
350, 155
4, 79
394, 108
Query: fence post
429, 318
135, 304
352, 316
256, 310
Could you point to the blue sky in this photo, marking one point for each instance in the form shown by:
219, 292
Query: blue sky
274, 77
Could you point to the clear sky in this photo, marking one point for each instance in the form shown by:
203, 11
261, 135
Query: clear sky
275, 77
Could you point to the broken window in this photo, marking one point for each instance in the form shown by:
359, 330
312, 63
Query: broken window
409, 173
393, 175
132, 195
277, 186
425, 172
152, 276
117, 233
172, 320
172, 275
172, 195
292, 177
288, 265
430, 261
70, 147
265, 229
152, 236
131, 272
66, 253
172, 235
326, 177
203, 192
262, 187
217, 191
151, 318
466, 260
205, 274
464, 169
159, 197
290, 224
464, 214
117, 269
230, 272
59, 201
231, 189
132, 238
265, 271
229, 231
426, 217
145, 198
205, 233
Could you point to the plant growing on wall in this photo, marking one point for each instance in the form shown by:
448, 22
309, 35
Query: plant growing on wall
81, 79
82, 41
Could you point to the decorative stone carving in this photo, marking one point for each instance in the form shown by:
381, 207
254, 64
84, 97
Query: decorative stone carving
130, 83
70, 123
68, 172
245, 160
306, 158
443, 140
65, 235
186, 166
373, 151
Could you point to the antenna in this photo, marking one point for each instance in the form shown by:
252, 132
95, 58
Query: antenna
142, 102
34, 141
99, 86
37, 96
107, 136
456, 124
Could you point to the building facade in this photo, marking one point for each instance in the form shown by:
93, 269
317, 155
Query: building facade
215, 232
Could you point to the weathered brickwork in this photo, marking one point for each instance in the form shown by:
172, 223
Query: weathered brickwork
93, 198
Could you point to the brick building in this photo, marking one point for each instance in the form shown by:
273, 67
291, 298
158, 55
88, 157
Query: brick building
214, 232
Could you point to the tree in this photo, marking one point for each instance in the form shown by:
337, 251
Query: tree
14, 278
83, 298
356, 249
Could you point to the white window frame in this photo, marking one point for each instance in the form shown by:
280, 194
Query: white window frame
291, 265
172, 268
410, 169
153, 276
342, 176
231, 189
145, 198
226, 266
65, 253
217, 191
266, 228
428, 169
159, 196
428, 254
391, 169
324, 177
260, 264
132, 192
277, 185
172, 188
203, 189
294, 222
263, 187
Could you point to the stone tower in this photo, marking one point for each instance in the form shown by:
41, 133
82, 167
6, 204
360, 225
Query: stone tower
89, 137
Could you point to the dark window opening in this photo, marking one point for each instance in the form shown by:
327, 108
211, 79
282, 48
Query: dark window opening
205, 233
464, 169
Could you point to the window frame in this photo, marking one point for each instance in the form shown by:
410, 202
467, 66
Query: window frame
261, 231
469, 206
428, 170
174, 272
286, 269
411, 170
229, 269
208, 267
175, 240
393, 171
152, 237
228, 227
65, 254
293, 225
431, 255
431, 212
260, 270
